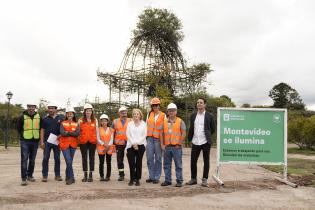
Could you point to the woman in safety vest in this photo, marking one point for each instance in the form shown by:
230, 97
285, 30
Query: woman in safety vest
106, 136
89, 135
68, 142
155, 146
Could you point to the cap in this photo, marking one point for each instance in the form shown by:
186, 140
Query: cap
122, 109
88, 106
70, 109
172, 106
104, 116
52, 105
155, 101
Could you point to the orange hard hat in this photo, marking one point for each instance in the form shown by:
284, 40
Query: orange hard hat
155, 101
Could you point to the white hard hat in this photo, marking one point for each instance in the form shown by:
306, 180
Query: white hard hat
52, 105
122, 109
70, 109
88, 106
172, 106
30, 104
104, 116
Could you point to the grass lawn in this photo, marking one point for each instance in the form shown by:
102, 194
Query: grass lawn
300, 171
301, 151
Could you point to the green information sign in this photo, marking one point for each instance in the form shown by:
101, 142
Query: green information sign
252, 136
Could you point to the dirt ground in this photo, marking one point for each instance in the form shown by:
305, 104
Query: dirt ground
246, 187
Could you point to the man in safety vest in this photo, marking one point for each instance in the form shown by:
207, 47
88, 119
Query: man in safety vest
50, 129
174, 135
120, 139
28, 126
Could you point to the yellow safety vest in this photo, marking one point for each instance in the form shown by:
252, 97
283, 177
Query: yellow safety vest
31, 127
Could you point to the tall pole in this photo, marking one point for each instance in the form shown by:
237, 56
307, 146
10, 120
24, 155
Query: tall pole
7, 136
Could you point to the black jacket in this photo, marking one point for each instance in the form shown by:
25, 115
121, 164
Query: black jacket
209, 126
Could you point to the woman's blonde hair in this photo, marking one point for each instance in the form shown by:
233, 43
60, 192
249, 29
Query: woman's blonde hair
139, 111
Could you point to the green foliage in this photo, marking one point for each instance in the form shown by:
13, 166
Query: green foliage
159, 24
246, 105
284, 96
301, 130
15, 111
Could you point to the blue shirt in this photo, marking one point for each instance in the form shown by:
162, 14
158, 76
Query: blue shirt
51, 125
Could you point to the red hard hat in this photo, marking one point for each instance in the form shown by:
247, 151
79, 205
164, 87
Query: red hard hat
155, 101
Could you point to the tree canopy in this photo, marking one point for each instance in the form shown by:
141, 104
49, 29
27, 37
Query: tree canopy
284, 96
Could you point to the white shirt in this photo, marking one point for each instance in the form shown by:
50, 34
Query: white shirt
199, 137
136, 134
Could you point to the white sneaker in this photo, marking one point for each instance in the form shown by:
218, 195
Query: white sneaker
204, 182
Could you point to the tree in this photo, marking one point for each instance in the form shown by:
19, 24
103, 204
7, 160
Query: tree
154, 62
284, 96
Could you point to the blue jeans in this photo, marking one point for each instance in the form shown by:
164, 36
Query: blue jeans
68, 155
154, 158
176, 154
47, 150
28, 155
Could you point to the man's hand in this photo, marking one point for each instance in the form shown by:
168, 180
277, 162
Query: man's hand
42, 145
162, 147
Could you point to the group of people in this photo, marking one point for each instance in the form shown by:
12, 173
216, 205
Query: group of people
159, 135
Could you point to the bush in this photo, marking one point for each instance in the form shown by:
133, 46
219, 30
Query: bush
301, 131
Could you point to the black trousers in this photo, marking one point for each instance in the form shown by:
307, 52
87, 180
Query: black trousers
195, 152
135, 161
108, 165
120, 149
88, 149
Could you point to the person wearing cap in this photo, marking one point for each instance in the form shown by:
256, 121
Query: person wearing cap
154, 148
107, 149
202, 126
120, 139
136, 135
68, 142
28, 127
174, 135
89, 136
51, 127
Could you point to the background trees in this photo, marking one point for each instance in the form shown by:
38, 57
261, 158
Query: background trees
284, 96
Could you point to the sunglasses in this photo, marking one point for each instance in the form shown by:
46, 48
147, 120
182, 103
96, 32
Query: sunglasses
155, 105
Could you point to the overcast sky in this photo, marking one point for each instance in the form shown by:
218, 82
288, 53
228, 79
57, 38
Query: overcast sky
51, 49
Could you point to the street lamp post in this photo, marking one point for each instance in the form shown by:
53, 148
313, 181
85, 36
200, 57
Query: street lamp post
9, 96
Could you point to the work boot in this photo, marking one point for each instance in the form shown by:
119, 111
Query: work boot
90, 179
137, 183
69, 181
191, 182
44, 179
107, 179
149, 180
85, 177
102, 179
204, 182
130, 183
30, 179
58, 178
155, 181
166, 184
24, 183
178, 184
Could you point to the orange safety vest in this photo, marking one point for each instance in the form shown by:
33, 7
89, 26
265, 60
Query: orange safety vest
120, 137
68, 141
172, 136
154, 129
87, 132
105, 137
